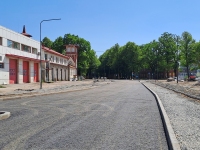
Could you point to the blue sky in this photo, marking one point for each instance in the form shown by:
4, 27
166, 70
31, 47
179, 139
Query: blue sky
103, 22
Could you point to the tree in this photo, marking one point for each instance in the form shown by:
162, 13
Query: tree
187, 51
130, 55
58, 45
120, 61
93, 63
111, 62
151, 58
167, 45
197, 56
85, 54
47, 42
176, 57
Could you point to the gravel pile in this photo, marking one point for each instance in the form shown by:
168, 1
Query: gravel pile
184, 114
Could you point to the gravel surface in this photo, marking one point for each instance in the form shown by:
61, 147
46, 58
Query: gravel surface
184, 114
122, 115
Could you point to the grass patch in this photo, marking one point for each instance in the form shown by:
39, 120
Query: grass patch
1, 86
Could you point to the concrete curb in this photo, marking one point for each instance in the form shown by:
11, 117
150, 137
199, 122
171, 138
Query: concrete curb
170, 135
4, 115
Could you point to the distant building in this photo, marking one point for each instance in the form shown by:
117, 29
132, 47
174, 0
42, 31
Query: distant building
20, 60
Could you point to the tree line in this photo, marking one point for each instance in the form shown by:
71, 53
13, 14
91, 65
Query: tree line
163, 55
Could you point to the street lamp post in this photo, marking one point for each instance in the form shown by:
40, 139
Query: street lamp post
177, 63
157, 63
177, 70
41, 51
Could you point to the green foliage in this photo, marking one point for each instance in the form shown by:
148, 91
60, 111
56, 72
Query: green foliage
83, 52
110, 61
130, 57
120, 61
87, 59
58, 45
160, 55
168, 49
187, 51
94, 63
1, 86
197, 55
47, 42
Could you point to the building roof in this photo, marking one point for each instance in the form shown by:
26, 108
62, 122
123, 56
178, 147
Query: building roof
54, 52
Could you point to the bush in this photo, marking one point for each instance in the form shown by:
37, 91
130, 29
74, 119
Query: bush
1, 86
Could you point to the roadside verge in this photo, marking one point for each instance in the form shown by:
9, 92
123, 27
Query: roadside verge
170, 135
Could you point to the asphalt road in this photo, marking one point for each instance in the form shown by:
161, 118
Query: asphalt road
121, 115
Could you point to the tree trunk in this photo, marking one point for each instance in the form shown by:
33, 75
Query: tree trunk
188, 71
167, 74
175, 72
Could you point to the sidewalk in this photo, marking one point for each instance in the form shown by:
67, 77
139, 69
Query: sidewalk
12, 91
29, 86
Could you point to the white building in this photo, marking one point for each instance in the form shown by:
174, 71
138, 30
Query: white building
20, 60
57, 67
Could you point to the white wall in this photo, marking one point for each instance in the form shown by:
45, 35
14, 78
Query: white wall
7, 34
20, 71
4, 72
31, 71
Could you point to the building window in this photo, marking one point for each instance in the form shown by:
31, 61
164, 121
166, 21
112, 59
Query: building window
0, 40
68, 49
61, 61
34, 50
52, 58
0, 58
65, 61
13, 44
1, 65
57, 60
45, 56
26, 48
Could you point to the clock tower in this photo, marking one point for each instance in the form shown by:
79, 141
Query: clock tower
72, 51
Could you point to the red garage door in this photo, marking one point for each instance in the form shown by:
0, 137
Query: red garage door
36, 72
12, 71
25, 71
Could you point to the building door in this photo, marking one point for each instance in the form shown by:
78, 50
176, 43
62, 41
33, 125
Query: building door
36, 77
61, 73
12, 71
25, 71
52, 75
57, 74
65, 76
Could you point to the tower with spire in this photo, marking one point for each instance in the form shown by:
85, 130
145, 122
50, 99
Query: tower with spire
24, 32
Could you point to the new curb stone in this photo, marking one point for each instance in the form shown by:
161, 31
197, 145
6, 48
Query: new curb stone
4, 115
170, 135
